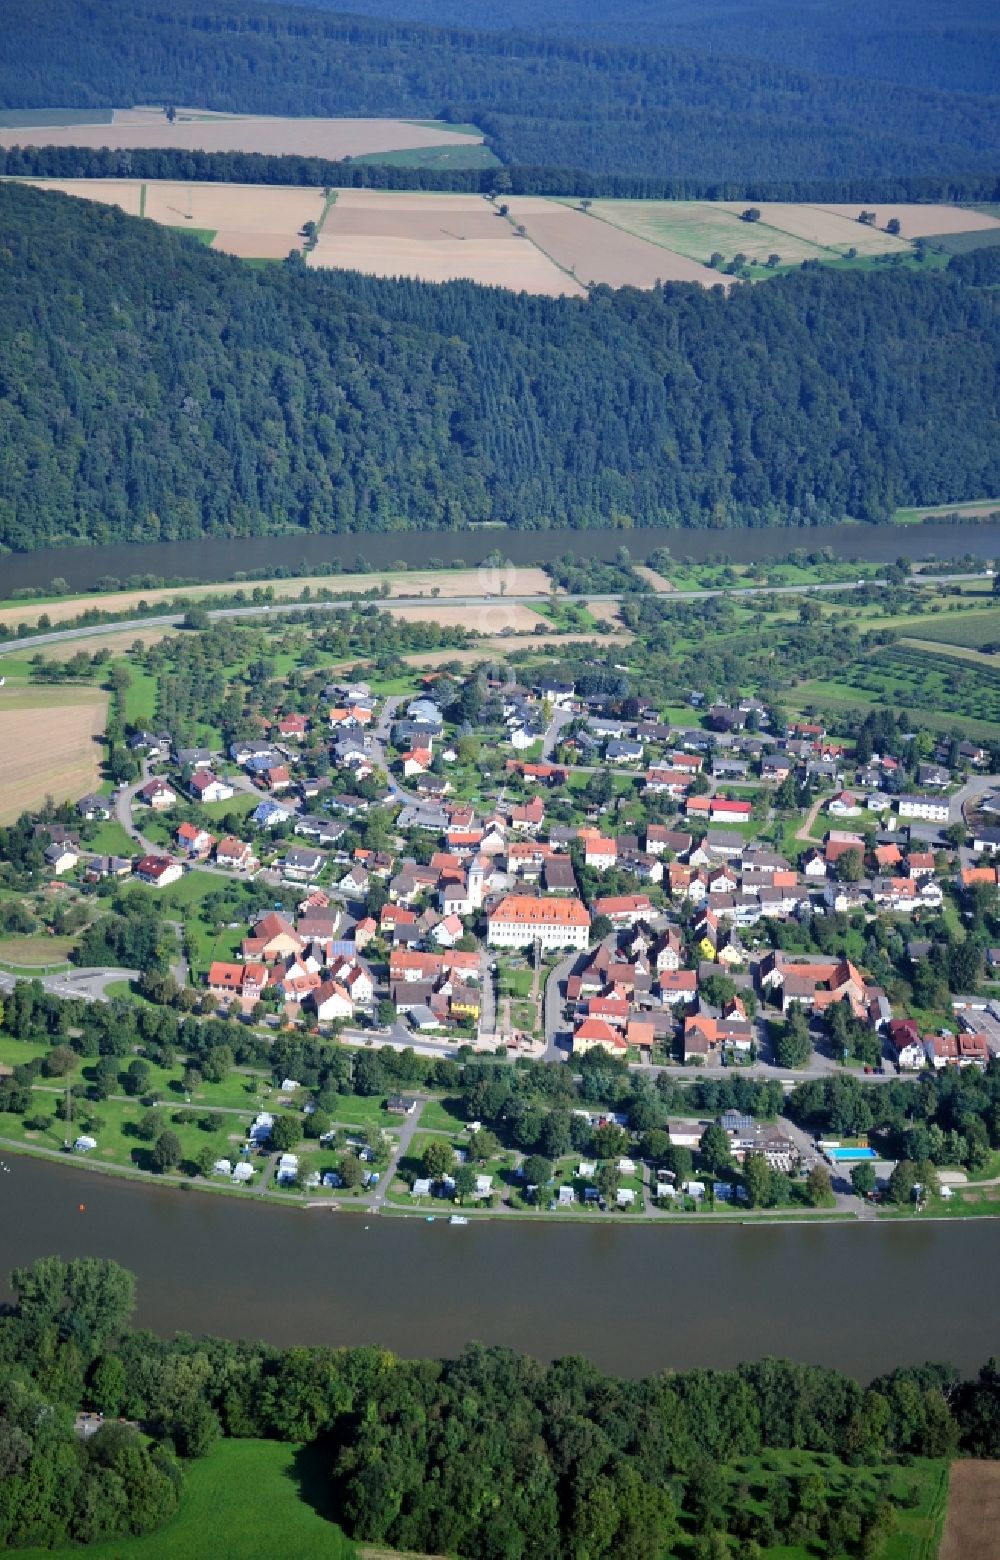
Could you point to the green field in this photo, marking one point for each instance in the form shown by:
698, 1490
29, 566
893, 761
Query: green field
913, 515
454, 156
140, 696
248, 1500
204, 236
969, 630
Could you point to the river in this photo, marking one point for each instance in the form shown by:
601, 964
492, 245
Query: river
217, 558
860, 1297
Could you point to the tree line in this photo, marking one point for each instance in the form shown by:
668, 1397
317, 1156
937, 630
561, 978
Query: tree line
540, 100
169, 392
95, 162
490, 1454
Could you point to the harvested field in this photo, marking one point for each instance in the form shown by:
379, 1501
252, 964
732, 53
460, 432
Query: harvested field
973, 1521
517, 581
698, 229
923, 221
654, 580
488, 617
436, 239
48, 748
253, 221
593, 250
814, 224
604, 611
108, 192
198, 131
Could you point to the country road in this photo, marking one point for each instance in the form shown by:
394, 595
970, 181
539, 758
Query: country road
250, 609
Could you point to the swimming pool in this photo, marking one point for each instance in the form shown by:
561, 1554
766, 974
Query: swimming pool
851, 1153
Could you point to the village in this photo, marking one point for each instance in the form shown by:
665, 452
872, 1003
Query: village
720, 899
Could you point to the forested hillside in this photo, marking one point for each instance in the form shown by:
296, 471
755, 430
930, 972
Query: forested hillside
918, 43
152, 389
662, 112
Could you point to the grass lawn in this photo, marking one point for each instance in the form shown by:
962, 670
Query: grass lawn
444, 1115
36, 953
140, 696
515, 983
190, 890
109, 839
246, 1499
117, 1141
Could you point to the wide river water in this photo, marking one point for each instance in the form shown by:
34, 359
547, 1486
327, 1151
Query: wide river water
215, 558
859, 1297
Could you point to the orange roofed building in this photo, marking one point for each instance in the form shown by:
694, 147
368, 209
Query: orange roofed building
522, 919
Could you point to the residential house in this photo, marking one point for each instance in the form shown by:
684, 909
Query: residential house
245, 981
93, 807
303, 863
624, 910
158, 794
204, 786
158, 871
195, 842
235, 854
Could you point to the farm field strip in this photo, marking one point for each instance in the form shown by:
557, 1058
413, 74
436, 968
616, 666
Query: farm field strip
918, 221
198, 131
596, 251
816, 225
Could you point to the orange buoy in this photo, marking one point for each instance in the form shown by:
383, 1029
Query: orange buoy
82, 1208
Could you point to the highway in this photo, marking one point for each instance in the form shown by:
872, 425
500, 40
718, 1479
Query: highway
278, 608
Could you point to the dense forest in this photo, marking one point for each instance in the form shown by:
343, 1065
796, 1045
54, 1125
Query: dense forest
672, 113
152, 389
101, 162
491, 1454
926, 43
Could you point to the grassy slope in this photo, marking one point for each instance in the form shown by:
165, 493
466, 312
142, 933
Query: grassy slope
247, 1499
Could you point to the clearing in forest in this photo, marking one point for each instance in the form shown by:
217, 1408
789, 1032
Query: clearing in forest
973, 1520
699, 229
49, 745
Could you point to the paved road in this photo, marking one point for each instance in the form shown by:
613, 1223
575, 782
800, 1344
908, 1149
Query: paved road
405, 1139
89, 983
218, 614
555, 997
974, 789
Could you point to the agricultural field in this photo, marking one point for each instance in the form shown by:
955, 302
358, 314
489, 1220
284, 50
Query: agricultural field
435, 238
195, 130
63, 724
973, 1519
968, 630
795, 232
251, 221
924, 221
595, 251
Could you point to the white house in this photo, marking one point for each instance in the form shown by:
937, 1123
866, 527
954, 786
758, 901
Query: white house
929, 809
520, 920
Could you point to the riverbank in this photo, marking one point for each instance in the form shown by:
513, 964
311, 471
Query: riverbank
442, 1212
702, 1297
254, 558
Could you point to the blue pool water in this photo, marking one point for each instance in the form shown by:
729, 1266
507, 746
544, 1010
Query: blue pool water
851, 1153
